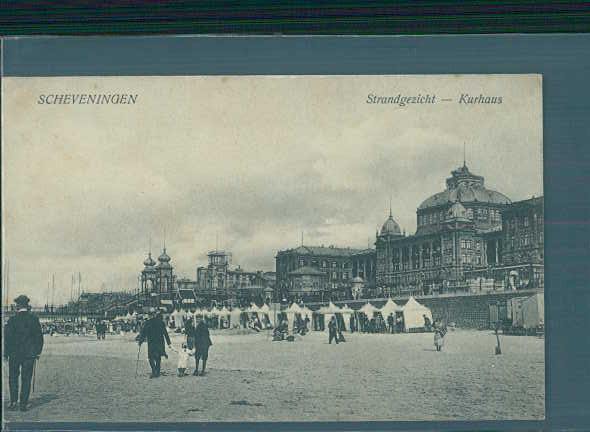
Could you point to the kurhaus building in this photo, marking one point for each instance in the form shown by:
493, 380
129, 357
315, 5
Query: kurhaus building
459, 238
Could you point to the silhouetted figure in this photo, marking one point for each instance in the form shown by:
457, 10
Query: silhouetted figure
154, 330
23, 343
202, 344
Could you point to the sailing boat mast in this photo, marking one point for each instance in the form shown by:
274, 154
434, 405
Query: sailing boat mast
52, 290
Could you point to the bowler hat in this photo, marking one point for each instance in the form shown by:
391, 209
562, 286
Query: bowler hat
22, 300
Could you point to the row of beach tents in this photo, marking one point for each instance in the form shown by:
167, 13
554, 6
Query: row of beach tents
412, 312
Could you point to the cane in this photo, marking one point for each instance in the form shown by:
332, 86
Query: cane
34, 368
137, 362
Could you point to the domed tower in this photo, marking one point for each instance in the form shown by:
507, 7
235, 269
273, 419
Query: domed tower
148, 277
385, 243
164, 273
390, 227
482, 205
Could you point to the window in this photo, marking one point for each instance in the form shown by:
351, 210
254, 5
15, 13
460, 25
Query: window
541, 236
470, 213
526, 240
525, 221
333, 275
477, 245
301, 263
334, 264
463, 244
343, 265
323, 264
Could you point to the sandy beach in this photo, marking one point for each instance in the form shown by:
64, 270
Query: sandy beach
250, 378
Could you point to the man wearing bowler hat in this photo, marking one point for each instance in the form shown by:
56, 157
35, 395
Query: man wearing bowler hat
23, 343
154, 330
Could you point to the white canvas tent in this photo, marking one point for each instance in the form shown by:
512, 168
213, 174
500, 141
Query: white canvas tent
369, 310
292, 312
414, 314
178, 317
235, 315
346, 312
329, 312
307, 312
265, 311
390, 308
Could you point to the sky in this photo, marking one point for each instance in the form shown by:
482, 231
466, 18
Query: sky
246, 164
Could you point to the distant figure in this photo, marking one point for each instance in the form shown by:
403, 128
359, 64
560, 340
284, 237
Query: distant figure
202, 344
189, 330
439, 335
352, 324
390, 323
399, 323
154, 330
427, 323
23, 343
332, 330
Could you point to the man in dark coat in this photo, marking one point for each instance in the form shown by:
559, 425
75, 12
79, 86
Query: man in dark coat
332, 330
202, 344
23, 343
154, 330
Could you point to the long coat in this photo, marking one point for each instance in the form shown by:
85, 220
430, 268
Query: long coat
202, 337
154, 330
23, 337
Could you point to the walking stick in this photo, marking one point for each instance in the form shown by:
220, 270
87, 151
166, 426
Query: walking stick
34, 368
137, 362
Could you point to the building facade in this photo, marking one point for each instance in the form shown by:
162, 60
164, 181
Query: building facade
466, 239
157, 281
218, 282
517, 254
334, 264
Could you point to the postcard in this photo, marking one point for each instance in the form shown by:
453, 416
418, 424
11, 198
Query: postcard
273, 248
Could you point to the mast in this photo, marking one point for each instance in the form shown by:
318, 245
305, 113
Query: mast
52, 290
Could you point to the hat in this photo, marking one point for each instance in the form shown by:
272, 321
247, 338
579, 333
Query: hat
22, 301
152, 310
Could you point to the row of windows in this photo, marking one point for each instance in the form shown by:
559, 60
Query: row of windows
325, 264
524, 221
469, 244
525, 240
482, 214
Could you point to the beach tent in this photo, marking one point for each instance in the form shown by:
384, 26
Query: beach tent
390, 308
414, 314
178, 318
265, 311
292, 312
215, 311
224, 312
346, 312
533, 311
369, 310
307, 312
234, 317
328, 312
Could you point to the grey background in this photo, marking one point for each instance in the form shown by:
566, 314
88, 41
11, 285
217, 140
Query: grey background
564, 61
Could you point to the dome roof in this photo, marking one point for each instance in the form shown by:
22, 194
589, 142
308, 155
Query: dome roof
463, 186
149, 262
358, 279
164, 258
390, 226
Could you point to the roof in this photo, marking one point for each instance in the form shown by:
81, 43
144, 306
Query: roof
306, 270
186, 293
464, 187
531, 202
390, 226
329, 251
